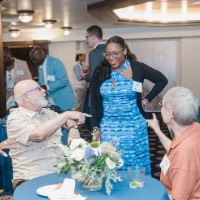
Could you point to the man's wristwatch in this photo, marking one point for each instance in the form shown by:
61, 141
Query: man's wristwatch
74, 126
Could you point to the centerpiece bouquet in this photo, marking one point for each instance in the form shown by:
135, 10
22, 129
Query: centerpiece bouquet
92, 163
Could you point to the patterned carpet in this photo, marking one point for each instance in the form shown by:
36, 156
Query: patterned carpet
156, 152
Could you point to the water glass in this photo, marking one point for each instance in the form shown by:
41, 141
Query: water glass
136, 177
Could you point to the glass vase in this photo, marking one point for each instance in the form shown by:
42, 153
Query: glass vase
76, 175
93, 184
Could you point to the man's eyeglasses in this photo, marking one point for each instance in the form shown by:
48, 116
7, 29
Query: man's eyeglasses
87, 36
161, 105
112, 55
38, 88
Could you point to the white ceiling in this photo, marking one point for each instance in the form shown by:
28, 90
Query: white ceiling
66, 12
74, 13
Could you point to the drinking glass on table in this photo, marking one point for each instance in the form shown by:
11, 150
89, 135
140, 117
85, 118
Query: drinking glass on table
136, 177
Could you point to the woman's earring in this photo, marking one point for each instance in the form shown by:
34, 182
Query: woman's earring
125, 56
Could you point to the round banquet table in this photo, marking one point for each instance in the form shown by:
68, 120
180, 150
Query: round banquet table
152, 190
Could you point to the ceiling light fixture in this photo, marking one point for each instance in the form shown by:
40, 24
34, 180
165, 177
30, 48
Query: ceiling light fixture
25, 15
49, 23
14, 32
66, 30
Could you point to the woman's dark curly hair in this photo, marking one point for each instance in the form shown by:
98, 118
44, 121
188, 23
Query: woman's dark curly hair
103, 71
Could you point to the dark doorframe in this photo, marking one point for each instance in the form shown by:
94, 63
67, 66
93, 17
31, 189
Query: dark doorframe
21, 51
2, 76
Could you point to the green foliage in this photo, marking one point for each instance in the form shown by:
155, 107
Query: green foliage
92, 163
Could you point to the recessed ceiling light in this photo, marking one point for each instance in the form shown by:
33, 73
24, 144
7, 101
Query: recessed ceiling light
49, 23
14, 32
66, 30
25, 15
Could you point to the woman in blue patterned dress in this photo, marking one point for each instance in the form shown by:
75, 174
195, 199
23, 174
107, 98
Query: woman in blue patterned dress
116, 104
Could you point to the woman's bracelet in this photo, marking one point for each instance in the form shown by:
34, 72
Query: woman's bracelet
94, 136
95, 129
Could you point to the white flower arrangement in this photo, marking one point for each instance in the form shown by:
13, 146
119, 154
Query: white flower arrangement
91, 161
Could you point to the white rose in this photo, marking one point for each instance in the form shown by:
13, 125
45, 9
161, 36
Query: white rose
78, 143
110, 163
77, 154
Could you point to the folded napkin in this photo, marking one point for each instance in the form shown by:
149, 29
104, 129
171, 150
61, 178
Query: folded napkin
66, 192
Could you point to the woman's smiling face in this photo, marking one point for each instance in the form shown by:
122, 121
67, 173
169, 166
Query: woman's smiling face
115, 55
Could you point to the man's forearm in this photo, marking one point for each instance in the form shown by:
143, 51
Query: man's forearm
166, 142
48, 128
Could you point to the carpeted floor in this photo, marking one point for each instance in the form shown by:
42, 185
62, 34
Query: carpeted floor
156, 153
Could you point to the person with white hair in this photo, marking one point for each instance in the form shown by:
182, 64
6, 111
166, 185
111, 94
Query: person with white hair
37, 132
180, 167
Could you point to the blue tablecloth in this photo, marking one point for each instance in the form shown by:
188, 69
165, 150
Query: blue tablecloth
153, 189
6, 173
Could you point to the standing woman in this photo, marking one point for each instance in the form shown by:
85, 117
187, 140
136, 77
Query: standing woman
79, 84
116, 103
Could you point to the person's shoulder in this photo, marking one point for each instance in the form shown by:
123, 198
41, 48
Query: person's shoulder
101, 46
53, 60
77, 65
19, 61
136, 64
48, 57
14, 113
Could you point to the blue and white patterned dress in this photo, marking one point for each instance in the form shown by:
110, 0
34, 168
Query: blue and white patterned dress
123, 120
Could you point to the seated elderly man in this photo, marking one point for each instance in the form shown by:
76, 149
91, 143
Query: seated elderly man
180, 167
37, 132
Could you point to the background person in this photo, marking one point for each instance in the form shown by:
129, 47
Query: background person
181, 173
79, 84
6, 144
37, 132
94, 35
16, 70
53, 78
116, 103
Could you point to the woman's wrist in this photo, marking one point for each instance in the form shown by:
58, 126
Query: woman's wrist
96, 128
145, 100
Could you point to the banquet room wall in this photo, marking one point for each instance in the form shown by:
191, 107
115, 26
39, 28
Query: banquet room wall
174, 51
177, 58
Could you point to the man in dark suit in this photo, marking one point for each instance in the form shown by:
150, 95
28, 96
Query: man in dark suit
94, 35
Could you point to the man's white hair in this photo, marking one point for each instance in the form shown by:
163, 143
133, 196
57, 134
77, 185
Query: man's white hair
183, 103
